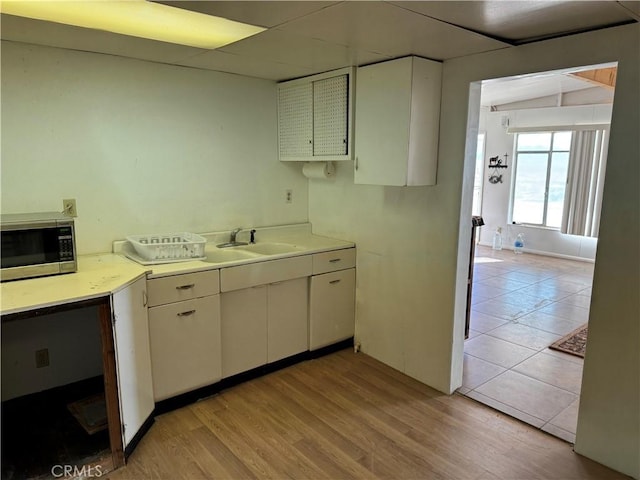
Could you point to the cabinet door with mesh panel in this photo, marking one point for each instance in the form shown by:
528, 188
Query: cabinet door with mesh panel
295, 121
330, 110
315, 117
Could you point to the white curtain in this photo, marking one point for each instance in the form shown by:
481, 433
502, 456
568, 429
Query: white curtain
585, 181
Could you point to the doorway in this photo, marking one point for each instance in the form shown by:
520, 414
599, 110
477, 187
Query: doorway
522, 304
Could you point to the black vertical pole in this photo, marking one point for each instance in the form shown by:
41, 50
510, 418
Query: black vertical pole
475, 223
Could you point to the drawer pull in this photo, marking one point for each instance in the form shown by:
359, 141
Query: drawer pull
334, 281
187, 313
186, 287
334, 260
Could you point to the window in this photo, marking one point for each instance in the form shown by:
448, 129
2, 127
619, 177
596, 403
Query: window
476, 209
541, 166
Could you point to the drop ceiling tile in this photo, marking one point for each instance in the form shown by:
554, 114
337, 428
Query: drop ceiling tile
518, 20
389, 30
633, 6
318, 55
38, 32
260, 13
241, 65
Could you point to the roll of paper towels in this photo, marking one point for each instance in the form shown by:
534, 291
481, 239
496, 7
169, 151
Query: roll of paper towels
318, 170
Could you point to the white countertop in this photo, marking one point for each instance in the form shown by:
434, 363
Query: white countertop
305, 245
103, 274
97, 276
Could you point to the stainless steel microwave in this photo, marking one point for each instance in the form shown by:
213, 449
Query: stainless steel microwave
37, 244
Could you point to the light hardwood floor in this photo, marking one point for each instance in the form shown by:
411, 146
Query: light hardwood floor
343, 416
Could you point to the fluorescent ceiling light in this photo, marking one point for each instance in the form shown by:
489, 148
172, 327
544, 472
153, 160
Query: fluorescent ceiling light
137, 18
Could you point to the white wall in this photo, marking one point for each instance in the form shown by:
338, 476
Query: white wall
406, 246
413, 245
495, 197
74, 344
143, 147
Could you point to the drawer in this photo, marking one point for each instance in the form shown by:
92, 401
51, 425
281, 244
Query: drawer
262, 273
182, 287
334, 260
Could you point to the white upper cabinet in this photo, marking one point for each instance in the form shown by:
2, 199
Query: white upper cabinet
397, 122
315, 117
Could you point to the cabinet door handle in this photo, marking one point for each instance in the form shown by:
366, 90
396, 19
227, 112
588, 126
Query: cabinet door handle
356, 163
334, 281
186, 287
187, 313
334, 260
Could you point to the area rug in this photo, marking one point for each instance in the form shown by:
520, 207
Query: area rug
574, 342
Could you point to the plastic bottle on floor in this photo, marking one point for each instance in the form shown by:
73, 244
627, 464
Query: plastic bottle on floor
497, 239
518, 245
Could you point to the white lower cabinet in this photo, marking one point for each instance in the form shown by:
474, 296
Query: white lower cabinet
263, 324
264, 312
184, 332
244, 329
331, 308
185, 345
133, 363
287, 318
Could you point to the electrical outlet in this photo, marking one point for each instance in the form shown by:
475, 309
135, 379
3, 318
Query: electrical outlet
289, 196
69, 207
42, 358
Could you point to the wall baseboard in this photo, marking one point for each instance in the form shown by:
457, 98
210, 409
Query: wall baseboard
546, 254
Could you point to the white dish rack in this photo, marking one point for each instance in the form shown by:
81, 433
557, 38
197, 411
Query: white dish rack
168, 247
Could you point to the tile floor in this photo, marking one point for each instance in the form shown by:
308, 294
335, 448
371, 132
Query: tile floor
520, 305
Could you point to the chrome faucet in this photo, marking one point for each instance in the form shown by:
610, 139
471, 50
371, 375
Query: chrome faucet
232, 240
233, 235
